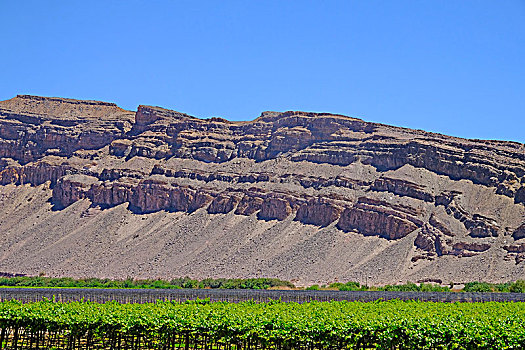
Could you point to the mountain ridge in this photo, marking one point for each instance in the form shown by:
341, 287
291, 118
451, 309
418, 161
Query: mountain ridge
446, 203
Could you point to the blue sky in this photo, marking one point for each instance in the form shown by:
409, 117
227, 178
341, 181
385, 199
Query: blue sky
454, 67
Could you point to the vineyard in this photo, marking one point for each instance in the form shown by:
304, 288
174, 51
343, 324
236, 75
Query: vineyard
274, 325
240, 295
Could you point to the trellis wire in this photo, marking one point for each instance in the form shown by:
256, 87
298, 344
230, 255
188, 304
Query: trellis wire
240, 295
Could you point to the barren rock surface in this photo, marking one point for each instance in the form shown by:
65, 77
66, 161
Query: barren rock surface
89, 189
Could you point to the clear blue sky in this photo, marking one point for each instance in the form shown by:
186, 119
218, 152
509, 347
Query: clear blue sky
455, 67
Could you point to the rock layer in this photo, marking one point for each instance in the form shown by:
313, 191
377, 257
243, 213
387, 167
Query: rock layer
440, 197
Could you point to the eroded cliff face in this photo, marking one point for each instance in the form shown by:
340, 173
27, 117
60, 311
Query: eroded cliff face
442, 202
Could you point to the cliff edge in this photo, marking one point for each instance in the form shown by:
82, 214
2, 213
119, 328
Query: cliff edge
90, 189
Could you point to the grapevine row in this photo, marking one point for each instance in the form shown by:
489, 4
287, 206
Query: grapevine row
274, 325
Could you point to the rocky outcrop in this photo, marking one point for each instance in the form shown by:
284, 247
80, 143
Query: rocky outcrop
275, 208
115, 174
207, 176
519, 233
320, 182
377, 218
305, 181
109, 194
402, 188
440, 226
440, 195
322, 138
472, 247
250, 203
72, 188
465, 249
224, 203
520, 195
367, 216
154, 195
33, 126
34, 174
433, 243
516, 252
447, 197
479, 226
143, 196
515, 248
319, 211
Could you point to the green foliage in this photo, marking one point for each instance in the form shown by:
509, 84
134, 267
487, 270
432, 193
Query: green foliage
478, 287
517, 287
185, 282
412, 287
348, 286
275, 325
429, 287
503, 287
484, 287
250, 283
407, 287
313, 287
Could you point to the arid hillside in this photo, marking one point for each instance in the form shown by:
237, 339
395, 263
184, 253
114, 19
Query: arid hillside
91, 190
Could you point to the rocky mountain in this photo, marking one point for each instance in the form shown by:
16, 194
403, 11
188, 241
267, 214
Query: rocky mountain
90, 189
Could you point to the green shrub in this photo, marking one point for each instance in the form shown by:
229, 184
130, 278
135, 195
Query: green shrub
478, 287
428, 287
313, 287
503, 287
517, 287
407, 287
352, 286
